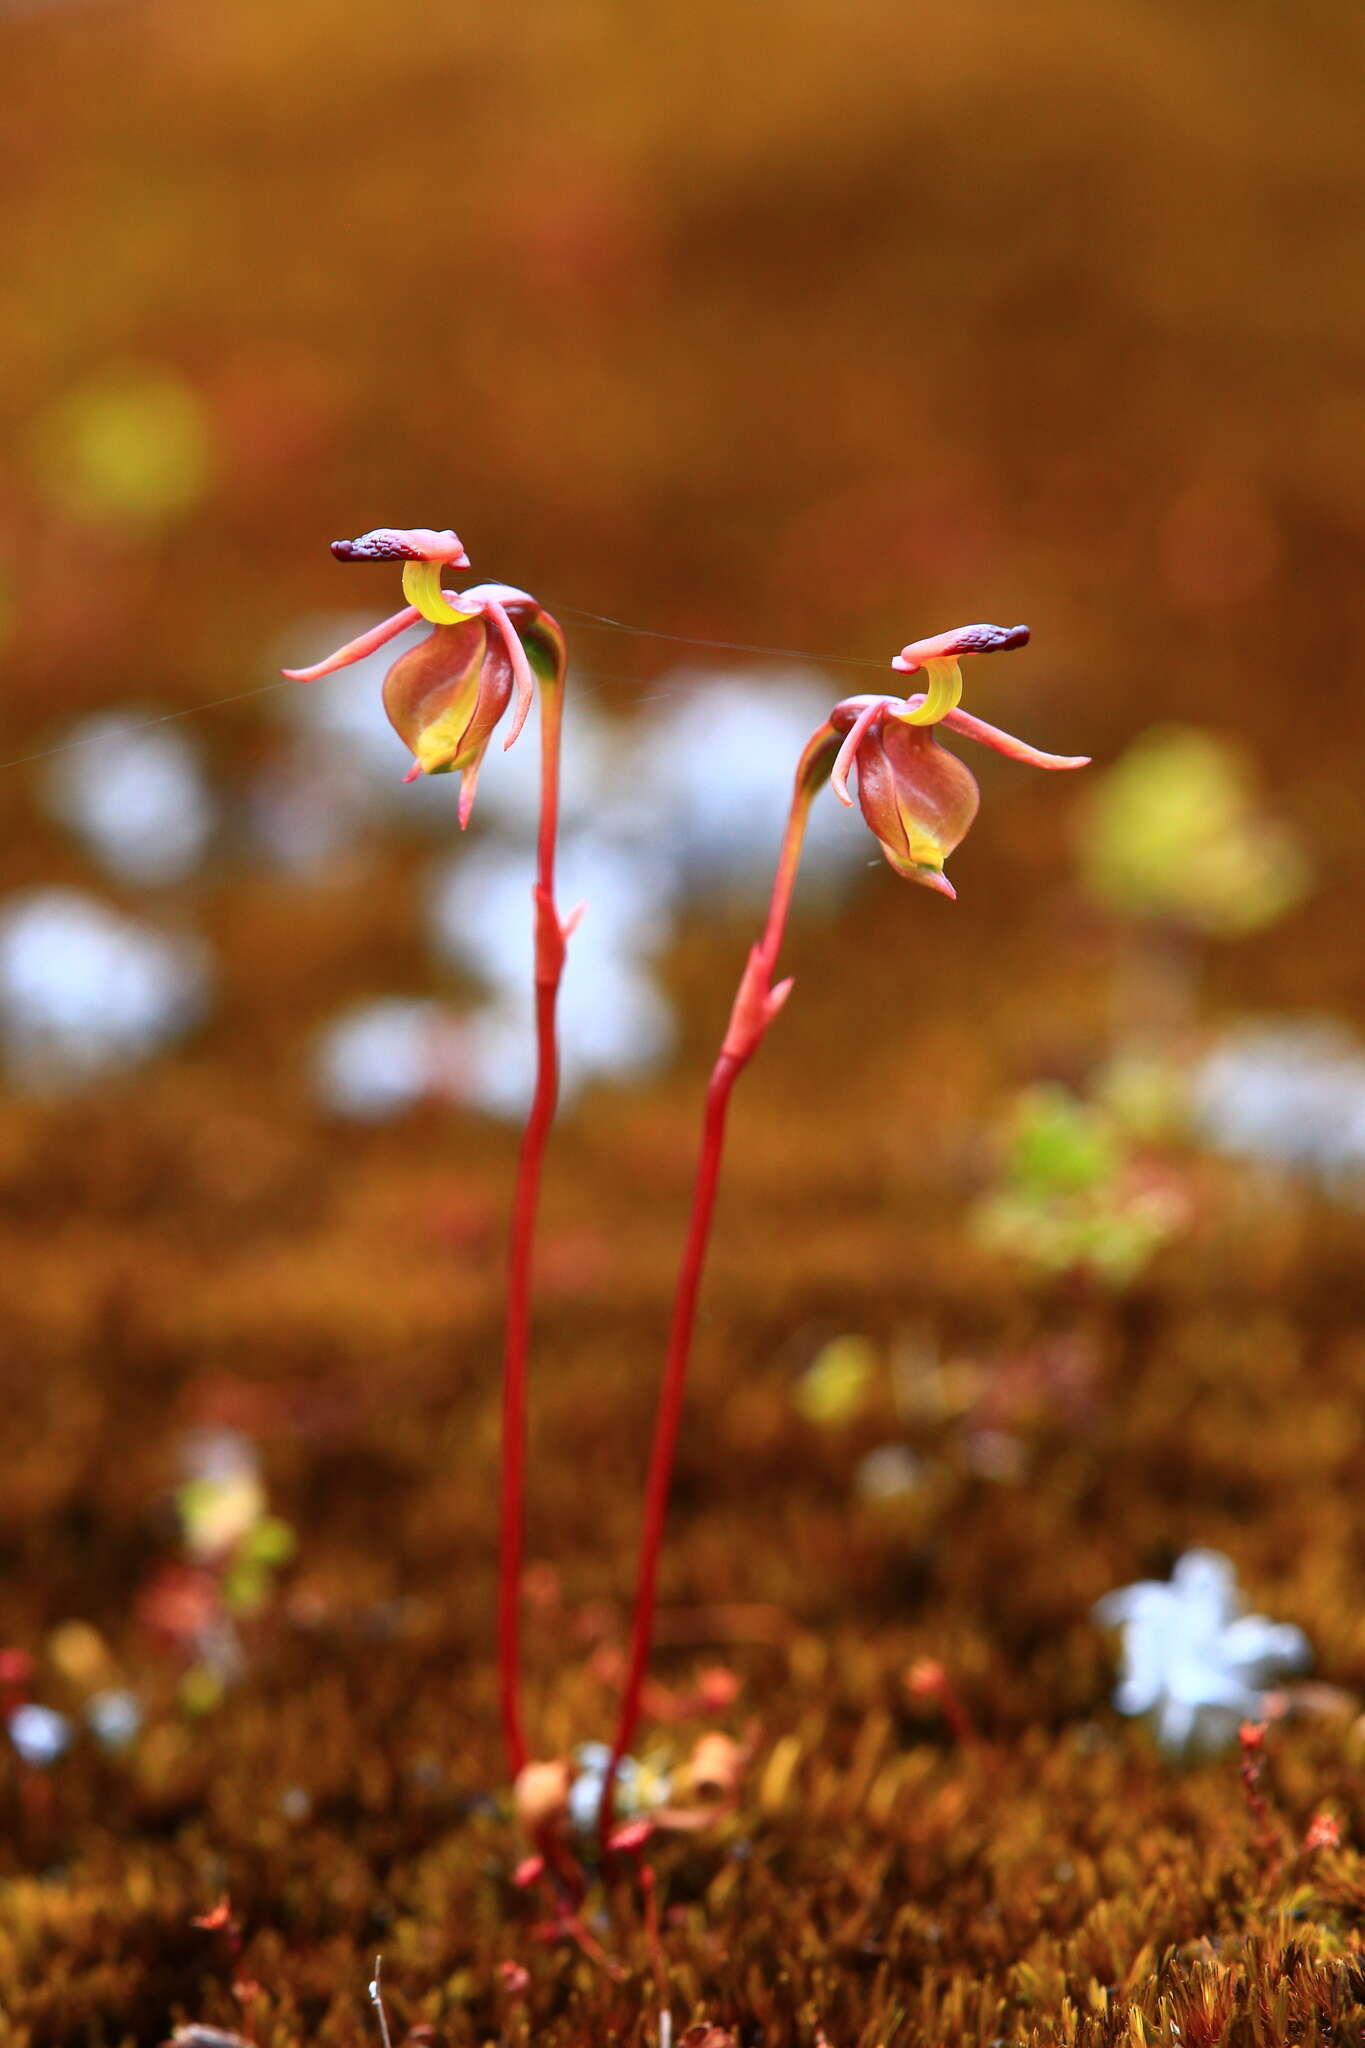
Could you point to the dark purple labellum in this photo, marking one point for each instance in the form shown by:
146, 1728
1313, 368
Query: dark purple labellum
989, 639
383, 545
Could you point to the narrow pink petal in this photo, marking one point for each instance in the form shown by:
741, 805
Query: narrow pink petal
853, 739
356, 650
1005, 743
413, 772
521, 666
469, 778
934, 878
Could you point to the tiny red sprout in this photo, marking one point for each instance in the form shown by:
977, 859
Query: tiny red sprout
217, 1917
925, 1679
16, 1668
529, 1871
1251, 1735
1324, 1832
717, 1689
515, 1977
630, 1839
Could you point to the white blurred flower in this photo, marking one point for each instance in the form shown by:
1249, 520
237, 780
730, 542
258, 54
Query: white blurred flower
380, 1059
1290, 1094
710, 777
641, 1786
481, 917
85, 992
1191, 1658
891, 1472
39, 1734
114, 1718
302, 812
136, 797
614, 1024
223, 1495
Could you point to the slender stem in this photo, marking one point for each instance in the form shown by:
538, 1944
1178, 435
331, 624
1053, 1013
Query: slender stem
549, 966
784, 879
738, 1048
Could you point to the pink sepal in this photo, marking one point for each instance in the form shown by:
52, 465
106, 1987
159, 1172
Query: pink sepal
469, 782
521, 666
356, 650
848, 752
1005, 743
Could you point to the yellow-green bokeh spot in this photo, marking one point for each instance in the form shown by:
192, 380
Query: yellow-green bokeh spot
836, 1383
133, 443
1176, 831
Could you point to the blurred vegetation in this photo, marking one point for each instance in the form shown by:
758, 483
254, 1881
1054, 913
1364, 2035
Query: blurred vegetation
1072, 1197
1174, 832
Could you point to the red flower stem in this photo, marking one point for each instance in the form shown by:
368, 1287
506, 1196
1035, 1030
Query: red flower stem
549, 966
749, 1020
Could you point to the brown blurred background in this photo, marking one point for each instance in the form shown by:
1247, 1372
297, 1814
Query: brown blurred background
789, 323
802, 325
810, 326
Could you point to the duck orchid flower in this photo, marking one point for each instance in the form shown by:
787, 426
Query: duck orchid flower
445, 696
918, 798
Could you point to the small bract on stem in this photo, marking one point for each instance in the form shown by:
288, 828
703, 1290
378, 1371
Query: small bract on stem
919, 801
445, 697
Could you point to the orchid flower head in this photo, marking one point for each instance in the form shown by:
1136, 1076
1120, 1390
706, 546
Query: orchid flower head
487, 645
918, 798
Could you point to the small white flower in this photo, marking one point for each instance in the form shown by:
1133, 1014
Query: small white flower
1192, 1659
114, 1718
712, 774
135, 794
640, 1786
380, 1059
85, 992
40, 1734
889, 1473
1288, 1093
